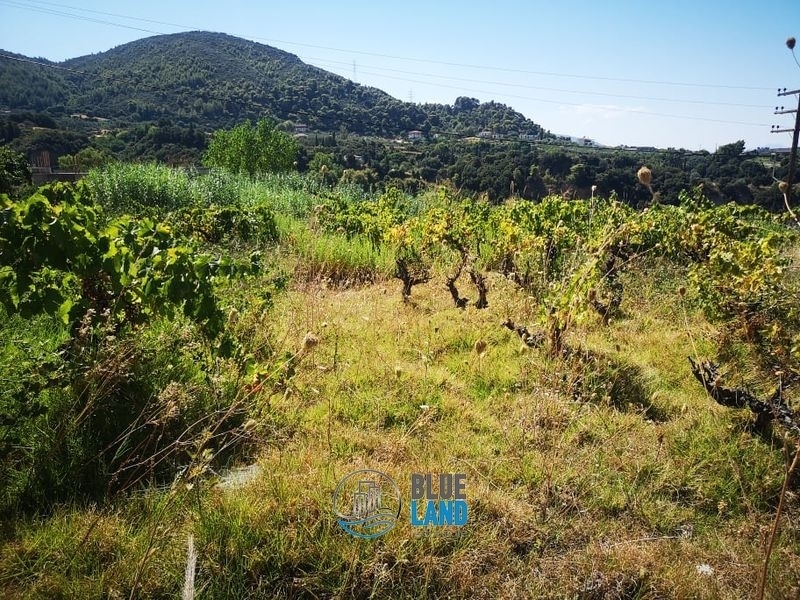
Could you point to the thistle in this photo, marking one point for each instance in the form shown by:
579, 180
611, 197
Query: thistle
309, 341
790, 42
645, 177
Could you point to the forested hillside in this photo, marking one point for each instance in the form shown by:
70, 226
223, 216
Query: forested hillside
214, 80
161, 98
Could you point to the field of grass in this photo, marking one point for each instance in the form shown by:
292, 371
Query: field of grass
604, 472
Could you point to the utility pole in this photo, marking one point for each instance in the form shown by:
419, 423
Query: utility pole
795, 136
790, 44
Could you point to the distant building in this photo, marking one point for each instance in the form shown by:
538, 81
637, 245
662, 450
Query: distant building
301, 128
766, 151
414, 135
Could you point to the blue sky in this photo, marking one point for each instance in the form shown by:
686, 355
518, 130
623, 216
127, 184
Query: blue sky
668, 74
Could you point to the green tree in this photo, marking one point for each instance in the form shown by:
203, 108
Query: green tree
252, 149
14, 170
91, 158
733, 150
581, 175
324, 166
67, 161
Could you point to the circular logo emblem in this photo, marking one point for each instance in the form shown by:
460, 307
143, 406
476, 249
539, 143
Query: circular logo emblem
367, 503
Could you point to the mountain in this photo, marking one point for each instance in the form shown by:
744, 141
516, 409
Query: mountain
159, 98
213, 80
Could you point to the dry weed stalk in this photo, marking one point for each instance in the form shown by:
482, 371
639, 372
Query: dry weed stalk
776, 522
784, 188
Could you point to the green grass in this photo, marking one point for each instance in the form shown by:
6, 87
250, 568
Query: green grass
333, 258
607, 473
566, 498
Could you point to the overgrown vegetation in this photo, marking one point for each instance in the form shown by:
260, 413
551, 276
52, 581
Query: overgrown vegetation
163, 98
161, 328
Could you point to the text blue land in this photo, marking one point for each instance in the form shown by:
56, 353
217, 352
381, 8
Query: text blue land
451, 486
443, 512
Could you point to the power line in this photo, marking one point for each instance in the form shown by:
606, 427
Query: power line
376, 54
566, 103
78, 17
549, 144
142, 87
543, 88
328, 61
42, 64
522, 86
795, 138
108, 14
544, 100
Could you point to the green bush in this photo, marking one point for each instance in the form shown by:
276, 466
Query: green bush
109, 407
114, 414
